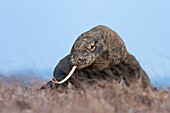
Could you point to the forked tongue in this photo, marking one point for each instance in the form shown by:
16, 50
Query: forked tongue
67, 77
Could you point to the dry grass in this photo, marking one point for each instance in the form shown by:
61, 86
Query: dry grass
113, 98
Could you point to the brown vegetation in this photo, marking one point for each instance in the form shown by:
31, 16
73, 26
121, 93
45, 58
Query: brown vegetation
112, 98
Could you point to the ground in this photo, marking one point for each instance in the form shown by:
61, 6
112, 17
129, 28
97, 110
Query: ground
112, 98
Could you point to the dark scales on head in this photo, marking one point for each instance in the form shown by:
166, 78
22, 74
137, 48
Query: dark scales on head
101, 57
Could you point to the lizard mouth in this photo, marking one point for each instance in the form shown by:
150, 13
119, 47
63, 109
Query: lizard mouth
82, 61
76, 65
85, 64
66, 78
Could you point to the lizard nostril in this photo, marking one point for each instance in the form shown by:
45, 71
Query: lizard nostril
80, 59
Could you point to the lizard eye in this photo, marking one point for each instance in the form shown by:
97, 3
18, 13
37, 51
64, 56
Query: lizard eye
91, 46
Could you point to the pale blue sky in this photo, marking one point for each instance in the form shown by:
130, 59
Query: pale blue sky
36, 34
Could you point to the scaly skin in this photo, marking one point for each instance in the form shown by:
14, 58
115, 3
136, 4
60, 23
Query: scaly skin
100, 56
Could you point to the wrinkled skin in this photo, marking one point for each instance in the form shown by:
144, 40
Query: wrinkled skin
100, 56
98, 47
